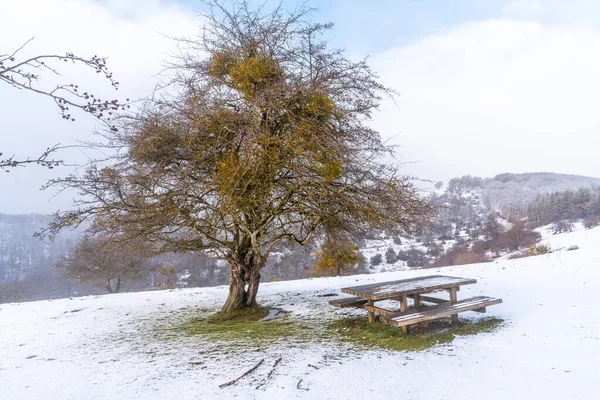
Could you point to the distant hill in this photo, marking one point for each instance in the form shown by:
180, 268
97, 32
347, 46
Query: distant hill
464, 208
22, 255
510, 192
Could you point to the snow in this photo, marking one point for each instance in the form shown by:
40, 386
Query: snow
563, 240
104, 347
395, 287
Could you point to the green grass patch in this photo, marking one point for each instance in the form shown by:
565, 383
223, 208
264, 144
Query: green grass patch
244, 328
472, 328
242, 331
360, 332
253, 314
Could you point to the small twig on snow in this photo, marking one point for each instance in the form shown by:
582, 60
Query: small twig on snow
269, 374
243, 375
273, 368
314, 366
301, 388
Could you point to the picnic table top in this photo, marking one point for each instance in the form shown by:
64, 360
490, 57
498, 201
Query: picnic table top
423, 284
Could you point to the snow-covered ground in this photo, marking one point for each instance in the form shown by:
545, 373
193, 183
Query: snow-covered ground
104, 347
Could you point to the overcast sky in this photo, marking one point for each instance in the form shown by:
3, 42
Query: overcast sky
485, 86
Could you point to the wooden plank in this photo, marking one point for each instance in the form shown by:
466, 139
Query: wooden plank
371, 314
394, 289
378, 310
453, 301
348, 302
442, 310
429, 299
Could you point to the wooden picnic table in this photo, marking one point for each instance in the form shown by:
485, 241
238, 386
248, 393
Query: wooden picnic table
414, 288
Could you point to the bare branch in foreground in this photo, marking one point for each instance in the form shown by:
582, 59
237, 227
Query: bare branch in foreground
243, 375
43, 160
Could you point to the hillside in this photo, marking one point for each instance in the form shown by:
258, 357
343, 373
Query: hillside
464, 206
115, 346
21, 254
508, 192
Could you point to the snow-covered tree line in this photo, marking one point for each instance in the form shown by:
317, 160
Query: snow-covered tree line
583, 203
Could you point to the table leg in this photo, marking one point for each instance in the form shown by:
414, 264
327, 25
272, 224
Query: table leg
417, 300
403, 308
371, 314
453, 300
417, 304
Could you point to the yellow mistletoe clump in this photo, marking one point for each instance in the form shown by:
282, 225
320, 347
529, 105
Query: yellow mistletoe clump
335, 258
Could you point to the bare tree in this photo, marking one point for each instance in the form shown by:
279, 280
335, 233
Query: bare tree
561, 226
11, 291
24, 73
492, 228
516, 233
105, 261
261, 141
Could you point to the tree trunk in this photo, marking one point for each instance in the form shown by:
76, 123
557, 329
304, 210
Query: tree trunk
108, 286
243, 286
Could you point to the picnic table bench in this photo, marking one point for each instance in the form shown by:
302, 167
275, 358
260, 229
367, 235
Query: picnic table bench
365, 297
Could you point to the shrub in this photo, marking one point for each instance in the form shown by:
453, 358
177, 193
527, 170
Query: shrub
469, 257
402, 255
376, 259
539, 250
450, 256
416, 258
435, 250
590, 221
390, 256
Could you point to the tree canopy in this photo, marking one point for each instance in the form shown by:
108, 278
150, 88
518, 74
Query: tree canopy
259, 137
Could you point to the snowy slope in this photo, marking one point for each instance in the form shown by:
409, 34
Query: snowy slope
103, 347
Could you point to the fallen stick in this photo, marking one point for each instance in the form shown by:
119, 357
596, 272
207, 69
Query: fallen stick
301, 388
269, 374
243, 375
273, 368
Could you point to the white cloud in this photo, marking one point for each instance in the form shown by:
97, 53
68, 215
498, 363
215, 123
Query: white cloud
482, 98
495, 96
523, 8
130, 33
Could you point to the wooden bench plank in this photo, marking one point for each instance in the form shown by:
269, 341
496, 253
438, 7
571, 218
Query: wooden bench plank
430, 299
442, 310
378, 310
348, 302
